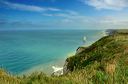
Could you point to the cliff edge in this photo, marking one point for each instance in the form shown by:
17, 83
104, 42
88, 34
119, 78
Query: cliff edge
110, 53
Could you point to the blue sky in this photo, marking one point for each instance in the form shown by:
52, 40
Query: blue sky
63, 14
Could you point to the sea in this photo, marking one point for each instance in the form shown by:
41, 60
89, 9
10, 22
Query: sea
28, 51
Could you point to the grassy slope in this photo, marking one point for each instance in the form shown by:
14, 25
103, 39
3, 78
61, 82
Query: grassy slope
106, 58
105, 61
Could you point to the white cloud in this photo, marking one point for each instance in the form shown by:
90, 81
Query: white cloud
106, 22
107, 4
46, 14
63, 13
25, 7
66, 21
56, 15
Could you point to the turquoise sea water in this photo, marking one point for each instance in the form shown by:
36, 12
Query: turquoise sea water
33, 50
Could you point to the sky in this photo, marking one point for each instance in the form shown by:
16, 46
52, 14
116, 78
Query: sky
63, 14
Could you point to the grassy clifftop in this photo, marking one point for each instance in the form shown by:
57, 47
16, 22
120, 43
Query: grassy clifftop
108, 50
106, 58
105, 61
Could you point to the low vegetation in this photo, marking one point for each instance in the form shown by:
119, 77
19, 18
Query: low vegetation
104, 62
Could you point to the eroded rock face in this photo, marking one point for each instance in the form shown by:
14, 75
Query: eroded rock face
65, 69
80, 49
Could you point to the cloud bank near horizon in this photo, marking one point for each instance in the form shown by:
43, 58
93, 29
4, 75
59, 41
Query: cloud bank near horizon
107, 4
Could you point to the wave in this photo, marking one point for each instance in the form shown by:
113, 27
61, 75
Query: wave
57, 71
57, 68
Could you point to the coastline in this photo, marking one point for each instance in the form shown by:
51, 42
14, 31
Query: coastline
47, 67
92, 65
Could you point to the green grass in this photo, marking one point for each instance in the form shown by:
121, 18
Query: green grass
104, 62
